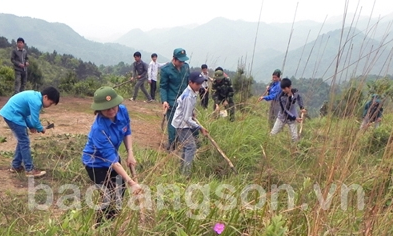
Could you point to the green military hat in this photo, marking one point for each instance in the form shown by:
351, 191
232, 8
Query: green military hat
105, 98
180, 54
277, 72
219, 74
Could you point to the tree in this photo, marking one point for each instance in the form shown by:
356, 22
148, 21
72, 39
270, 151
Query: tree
34, 75
6, 80
4, 42
242, 86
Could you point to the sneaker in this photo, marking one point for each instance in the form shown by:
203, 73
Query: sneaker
149, 101
35, 173
131, 99
17, 170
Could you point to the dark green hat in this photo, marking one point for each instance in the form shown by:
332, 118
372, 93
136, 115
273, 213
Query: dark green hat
105, 98
180, 54
219, 74
277, 72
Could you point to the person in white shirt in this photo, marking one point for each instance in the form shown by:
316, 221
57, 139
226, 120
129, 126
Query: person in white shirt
183, 121
152, 74
204, 90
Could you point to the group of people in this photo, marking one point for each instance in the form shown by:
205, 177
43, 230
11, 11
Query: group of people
179, 91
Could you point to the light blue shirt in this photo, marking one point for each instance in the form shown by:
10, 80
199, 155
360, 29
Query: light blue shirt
182, 118
105, 138
24, 109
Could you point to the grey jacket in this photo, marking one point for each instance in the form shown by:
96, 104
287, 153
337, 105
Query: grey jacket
140, 68
19, 57
288, 112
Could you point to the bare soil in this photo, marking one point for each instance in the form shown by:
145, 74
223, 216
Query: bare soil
73, 116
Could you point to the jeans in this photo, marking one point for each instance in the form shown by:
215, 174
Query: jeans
153, 88
141, 84
189, 149
20, 81
278, 125
22, 151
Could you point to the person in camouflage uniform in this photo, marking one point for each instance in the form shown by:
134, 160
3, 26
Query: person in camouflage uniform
372, 114
223, 93
323, 111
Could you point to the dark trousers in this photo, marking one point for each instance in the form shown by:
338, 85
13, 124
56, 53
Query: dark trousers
204, 95
112, 189
153, 88
20, 81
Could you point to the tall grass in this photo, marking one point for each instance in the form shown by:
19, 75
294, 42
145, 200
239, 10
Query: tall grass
331, 153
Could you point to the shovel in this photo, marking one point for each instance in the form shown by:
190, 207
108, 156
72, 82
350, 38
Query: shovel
50, 126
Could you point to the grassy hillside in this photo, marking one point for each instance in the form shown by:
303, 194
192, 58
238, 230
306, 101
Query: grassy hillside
327, 184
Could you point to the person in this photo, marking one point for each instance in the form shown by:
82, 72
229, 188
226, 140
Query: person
288, 113
185, 124
23, 110
273, 90
140, 69
323, 111
204, 91
174, 79
100, 157
372, 113
220, 68
152, 75
223, 93
20, 60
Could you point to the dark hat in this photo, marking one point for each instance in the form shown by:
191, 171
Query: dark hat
219, 68
196, 77
105, 98
219, 74
20, 40
180, 54
203, 66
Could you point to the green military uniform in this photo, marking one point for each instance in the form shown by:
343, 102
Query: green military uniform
223, 91
172, 84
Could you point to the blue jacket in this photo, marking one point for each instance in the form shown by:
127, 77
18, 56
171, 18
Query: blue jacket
373, 110
24, 109
105, 138
273, 91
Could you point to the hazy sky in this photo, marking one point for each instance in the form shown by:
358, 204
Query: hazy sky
104, 19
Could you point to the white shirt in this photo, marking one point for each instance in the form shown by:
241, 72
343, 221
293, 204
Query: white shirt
205, 83
182, 119
153, 70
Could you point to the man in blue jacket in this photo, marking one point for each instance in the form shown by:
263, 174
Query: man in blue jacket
20, 112
372, 113
273, 90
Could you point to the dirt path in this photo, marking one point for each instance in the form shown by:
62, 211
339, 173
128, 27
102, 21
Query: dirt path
73, 116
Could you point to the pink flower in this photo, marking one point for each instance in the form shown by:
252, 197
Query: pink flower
219, 228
